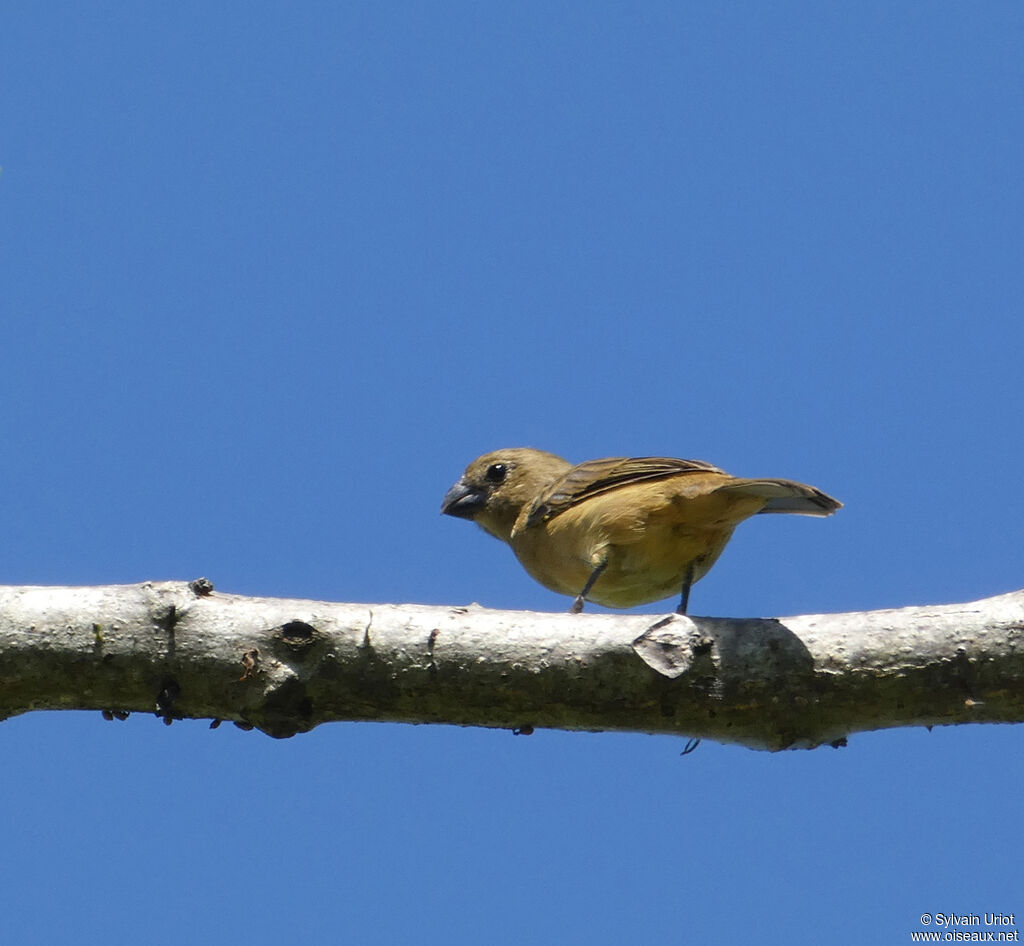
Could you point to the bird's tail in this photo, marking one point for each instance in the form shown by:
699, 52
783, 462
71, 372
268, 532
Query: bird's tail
785, 496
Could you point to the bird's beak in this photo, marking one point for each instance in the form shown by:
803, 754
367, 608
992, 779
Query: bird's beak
463, 501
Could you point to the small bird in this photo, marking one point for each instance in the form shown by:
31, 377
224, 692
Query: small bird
621, 531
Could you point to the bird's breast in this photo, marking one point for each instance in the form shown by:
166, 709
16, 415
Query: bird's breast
647, 543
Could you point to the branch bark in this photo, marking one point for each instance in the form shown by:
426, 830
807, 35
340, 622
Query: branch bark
284, 666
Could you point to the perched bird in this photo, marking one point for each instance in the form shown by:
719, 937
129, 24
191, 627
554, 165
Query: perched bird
621, 531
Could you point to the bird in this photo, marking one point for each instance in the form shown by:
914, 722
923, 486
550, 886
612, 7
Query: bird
619, 531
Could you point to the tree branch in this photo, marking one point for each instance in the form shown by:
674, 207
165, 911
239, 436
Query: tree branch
285, 666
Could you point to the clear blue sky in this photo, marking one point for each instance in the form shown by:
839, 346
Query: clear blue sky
271, 275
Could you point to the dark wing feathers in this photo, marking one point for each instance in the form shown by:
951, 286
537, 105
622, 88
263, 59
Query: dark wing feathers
599, 476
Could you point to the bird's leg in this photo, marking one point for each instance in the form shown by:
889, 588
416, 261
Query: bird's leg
685, 599
578, 602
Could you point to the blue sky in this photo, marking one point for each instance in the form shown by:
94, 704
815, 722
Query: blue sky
271, 275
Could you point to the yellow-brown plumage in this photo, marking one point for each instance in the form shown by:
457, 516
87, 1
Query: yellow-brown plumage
619, 531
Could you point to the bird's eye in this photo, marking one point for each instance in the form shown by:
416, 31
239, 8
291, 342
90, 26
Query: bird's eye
496, 473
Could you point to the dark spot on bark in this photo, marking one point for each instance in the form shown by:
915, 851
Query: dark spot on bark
297, 632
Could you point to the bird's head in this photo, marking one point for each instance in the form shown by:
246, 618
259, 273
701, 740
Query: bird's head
496, 486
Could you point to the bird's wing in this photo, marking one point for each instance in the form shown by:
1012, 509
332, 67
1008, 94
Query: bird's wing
600, 476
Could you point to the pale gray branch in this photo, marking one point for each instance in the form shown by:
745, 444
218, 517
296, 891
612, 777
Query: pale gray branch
285, 666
